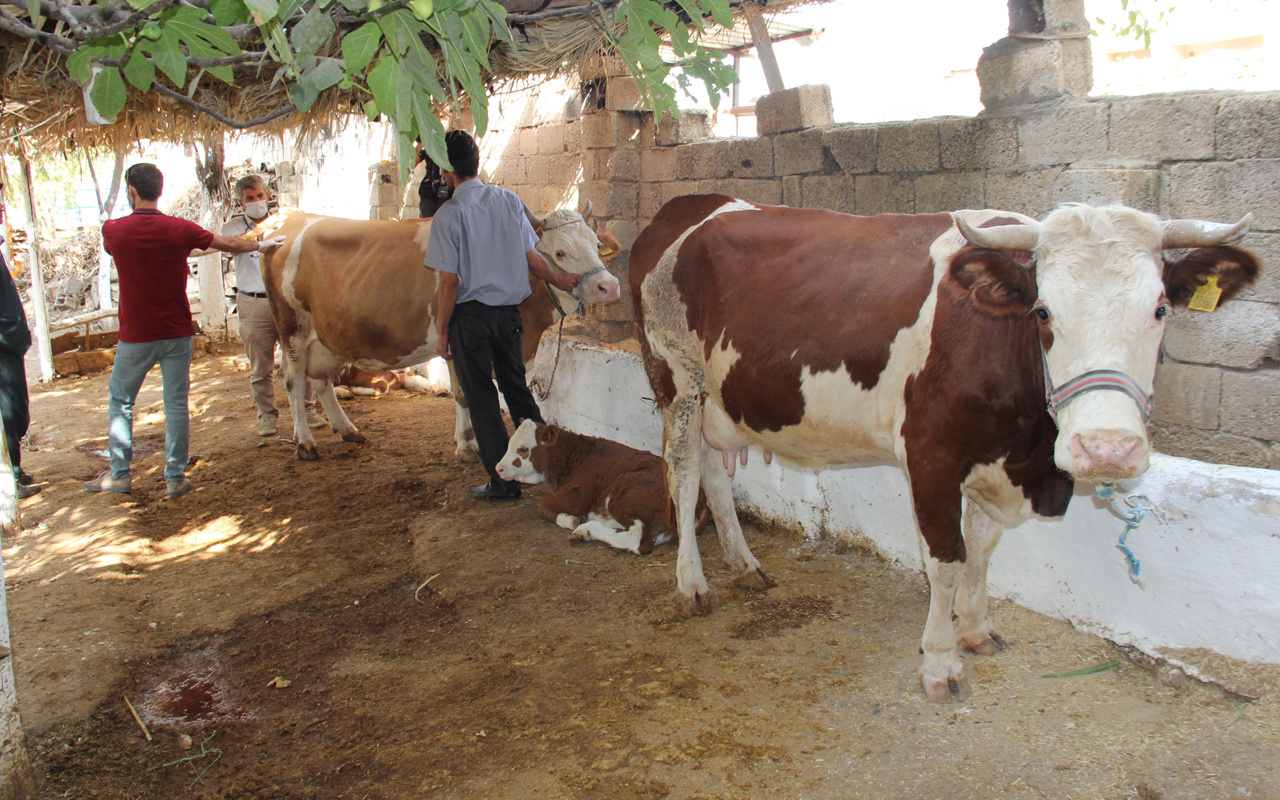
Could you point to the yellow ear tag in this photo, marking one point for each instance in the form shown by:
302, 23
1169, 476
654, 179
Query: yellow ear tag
1206, 297
606, 250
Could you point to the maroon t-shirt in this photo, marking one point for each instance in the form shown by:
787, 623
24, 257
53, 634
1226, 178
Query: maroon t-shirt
151, 250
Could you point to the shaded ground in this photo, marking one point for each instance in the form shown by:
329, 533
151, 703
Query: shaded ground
528, 666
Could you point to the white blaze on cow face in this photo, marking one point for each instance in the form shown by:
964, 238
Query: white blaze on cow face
515, 465
570, 245
1101, 296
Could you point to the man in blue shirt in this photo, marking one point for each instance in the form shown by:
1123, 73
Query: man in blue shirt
483, 246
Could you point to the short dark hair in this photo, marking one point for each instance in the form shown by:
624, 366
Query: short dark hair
250, 182
146, 179
463, 153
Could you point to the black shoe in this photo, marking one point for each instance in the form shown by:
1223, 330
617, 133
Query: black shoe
27, 491
495, 490
24, 477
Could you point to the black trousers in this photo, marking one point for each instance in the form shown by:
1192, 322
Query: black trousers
14, 408
485, 342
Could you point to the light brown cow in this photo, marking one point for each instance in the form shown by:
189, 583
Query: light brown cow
353, 291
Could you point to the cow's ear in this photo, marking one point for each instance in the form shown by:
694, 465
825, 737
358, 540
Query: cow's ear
1234, 268
548, 434
609, 246
993, 281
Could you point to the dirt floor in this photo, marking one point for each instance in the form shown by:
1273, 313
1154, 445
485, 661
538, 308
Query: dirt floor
273, 631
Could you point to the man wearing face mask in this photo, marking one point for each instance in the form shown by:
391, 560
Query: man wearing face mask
257, 328
151, 250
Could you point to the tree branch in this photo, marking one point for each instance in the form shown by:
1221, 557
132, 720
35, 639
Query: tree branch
231, 123
14, 25
65, 13
133, 19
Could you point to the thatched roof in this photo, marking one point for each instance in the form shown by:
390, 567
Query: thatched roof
43, 106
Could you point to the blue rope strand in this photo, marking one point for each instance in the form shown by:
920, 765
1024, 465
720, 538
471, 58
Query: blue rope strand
1132, 517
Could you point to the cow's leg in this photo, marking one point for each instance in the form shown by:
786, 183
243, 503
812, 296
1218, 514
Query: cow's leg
942, 673
463, 436
682, 422
974, 630
339, 422
293, 348
611, 533
733, 545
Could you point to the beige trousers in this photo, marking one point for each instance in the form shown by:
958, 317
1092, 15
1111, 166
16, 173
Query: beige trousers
258, 332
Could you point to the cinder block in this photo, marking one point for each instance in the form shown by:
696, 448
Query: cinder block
1165, 127
1248, 126
759, 191
1223, 191
1212, 446
852, 146
1014, 72
794, 109
908, 147
1033, 193
573, 139
798, 152
1188, 395
1249, 404
658, 164
1073, 132
749, 157
1239, 334
528, 141
293, 183
702, 160
284, 169
1273, 457
674, 189
610, 129
650, 200
884, 194
622, 94
949, 191
834, 192
625, 231
1136, 188
791, 195
550, 139
624, 201
288, 199
690, 126
385, 212
537, 170
979, 143
616, 165
385, 194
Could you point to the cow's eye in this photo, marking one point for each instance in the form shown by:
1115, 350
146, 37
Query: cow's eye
1041, 313
560, 254
1162, 311
524, 451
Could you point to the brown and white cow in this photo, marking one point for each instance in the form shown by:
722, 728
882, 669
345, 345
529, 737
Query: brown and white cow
603, 491
356, 292
833, 339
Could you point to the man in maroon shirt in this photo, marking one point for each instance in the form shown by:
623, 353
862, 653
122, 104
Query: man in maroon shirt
150, 250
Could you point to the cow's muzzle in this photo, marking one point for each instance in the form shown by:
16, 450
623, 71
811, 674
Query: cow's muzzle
1107, 455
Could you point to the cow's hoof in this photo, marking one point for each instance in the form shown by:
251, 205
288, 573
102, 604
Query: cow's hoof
353, 436
947, 689
983, 645
308, 452
468, 455
754, 581
697, 605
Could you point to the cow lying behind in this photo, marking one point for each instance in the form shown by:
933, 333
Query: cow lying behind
377, 382
603, 491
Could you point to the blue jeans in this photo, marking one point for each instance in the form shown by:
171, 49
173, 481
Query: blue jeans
133, 361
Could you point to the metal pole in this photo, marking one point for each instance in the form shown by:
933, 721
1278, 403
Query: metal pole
764, 46
37, 274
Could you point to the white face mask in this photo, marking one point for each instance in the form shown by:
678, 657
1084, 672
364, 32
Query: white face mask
256, 209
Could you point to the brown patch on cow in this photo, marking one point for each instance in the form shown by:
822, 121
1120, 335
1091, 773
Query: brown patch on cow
978, 399
791, 289
1234, 268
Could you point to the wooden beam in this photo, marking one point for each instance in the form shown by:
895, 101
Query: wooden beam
45, 349
764, 46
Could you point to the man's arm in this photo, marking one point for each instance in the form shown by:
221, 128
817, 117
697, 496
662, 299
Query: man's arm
564, 281
446, 299
234, 244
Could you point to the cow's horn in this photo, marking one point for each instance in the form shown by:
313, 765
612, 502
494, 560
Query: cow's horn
586, 215
1179, 233
1000, 237
534, 220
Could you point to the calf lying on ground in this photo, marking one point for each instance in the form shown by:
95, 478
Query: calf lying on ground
603, 491
377, 382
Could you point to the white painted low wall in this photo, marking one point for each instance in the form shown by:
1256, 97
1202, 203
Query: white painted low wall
1210, 549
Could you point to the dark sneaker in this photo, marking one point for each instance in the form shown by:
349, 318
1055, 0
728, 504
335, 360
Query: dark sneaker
24, 477
27, 491
494, 490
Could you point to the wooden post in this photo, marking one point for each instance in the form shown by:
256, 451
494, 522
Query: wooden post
37, 274
105, 206
764, 46
16, 780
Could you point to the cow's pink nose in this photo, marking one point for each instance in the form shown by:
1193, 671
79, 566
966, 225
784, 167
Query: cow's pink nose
1106, 454
608, 290
501, 469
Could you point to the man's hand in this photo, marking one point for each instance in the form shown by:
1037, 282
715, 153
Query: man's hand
271, 244
566, 281
442, 346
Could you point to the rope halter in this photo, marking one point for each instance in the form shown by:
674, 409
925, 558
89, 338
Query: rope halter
1057, 397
